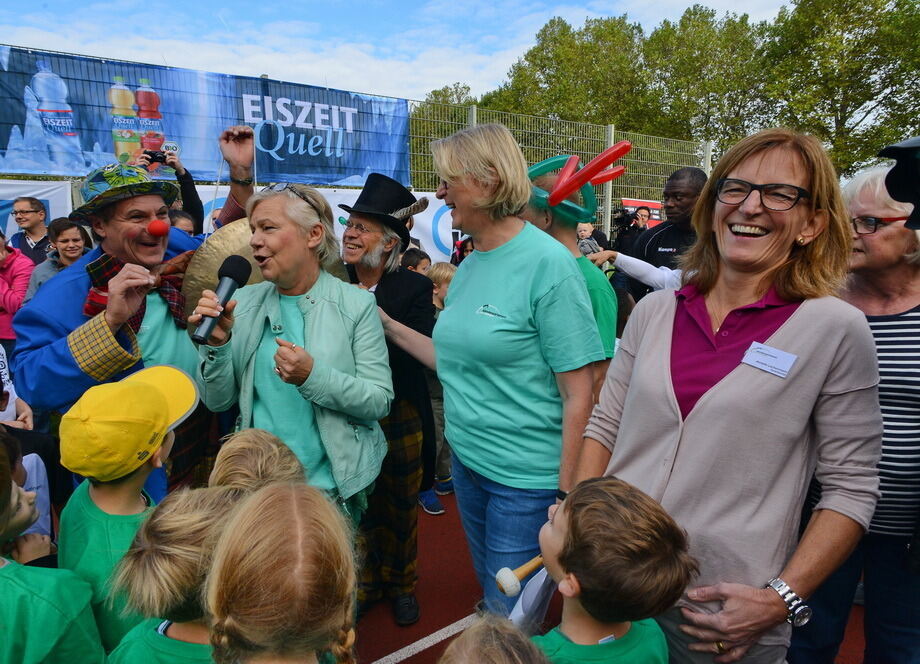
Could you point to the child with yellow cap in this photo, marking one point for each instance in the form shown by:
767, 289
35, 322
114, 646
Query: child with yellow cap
115, 435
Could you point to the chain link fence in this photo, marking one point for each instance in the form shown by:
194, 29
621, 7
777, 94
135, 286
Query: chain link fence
648, 165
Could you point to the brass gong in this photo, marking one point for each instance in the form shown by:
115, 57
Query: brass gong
225, 241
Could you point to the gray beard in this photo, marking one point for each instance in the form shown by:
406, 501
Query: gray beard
373, 258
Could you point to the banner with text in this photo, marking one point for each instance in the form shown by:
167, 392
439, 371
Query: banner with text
66, 114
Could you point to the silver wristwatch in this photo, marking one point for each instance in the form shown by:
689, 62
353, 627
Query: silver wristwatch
799, 613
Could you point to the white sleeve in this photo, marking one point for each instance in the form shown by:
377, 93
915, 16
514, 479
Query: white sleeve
7, 383
654, 277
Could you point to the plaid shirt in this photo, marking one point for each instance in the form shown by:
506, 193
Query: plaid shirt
106, 267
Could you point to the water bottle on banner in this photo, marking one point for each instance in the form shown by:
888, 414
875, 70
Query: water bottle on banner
56, 115
149, 119
124, 121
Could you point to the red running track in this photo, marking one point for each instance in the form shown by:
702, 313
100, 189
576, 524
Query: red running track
447, 592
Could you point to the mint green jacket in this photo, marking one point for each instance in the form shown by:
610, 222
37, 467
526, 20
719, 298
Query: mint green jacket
350, 386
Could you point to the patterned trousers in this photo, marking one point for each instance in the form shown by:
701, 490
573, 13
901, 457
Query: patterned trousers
388, 535
193, 453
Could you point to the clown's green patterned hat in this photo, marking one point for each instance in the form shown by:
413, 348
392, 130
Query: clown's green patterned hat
116, 182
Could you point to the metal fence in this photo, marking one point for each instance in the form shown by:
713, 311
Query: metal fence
648, 165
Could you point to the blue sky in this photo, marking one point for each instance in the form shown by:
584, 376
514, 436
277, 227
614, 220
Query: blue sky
403, 49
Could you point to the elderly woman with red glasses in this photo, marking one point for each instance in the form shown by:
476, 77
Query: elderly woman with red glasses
726, 396
884, 283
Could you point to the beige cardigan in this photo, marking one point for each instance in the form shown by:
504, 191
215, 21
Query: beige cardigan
734, 474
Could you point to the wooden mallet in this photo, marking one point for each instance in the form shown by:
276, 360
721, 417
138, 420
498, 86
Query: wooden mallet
509, 581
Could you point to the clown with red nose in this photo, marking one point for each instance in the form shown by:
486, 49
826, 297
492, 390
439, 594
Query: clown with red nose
117, 309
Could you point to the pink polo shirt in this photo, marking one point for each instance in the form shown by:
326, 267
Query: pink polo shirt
700, 358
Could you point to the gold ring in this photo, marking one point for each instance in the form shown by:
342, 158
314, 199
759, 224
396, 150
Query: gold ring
293, 346
720, 648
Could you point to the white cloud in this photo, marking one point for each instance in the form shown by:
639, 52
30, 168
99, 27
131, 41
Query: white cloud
435, 44
294, 57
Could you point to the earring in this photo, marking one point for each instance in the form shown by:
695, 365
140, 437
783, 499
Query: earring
801, 240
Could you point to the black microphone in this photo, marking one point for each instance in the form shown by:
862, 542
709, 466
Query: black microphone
233, 273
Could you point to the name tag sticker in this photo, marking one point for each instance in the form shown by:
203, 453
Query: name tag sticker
772, 360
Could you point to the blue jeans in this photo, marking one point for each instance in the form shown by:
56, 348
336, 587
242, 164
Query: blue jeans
502, 525
892, 622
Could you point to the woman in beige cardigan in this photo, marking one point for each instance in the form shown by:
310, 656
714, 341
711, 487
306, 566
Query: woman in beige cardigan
727, 395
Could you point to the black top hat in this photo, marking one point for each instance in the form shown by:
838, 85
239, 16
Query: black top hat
387, 201
903, 180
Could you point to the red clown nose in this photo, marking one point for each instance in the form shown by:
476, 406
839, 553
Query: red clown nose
158, 228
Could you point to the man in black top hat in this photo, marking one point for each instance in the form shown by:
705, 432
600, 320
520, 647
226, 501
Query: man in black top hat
375, 236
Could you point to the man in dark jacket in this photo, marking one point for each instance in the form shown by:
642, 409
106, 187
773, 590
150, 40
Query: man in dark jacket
375, 236
32, 239
663, 244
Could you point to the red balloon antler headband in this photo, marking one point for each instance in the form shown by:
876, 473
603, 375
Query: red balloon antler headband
570, 179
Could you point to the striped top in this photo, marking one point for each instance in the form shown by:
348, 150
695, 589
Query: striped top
897, 340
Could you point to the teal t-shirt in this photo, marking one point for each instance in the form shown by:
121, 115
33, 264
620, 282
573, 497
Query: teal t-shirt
161, 342
644, 643
90, 543
145, 644
514, 317
46, 618
279, 407
603, 303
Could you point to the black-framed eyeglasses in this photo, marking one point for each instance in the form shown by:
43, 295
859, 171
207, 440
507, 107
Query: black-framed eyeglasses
776, 197
868, 225
16, 213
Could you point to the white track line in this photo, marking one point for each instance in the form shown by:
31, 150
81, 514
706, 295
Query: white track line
428, 641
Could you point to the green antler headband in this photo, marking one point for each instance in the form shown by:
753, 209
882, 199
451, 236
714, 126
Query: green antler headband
571, 178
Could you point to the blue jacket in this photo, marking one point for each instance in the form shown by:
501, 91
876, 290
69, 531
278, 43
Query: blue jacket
350, 387
48, 334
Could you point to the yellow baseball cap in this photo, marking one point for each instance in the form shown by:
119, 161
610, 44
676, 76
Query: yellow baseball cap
115, 427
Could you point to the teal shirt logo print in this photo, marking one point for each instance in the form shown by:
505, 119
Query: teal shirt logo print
489, 310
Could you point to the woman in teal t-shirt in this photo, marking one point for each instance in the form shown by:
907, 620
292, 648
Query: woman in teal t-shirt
514, 345
307, 359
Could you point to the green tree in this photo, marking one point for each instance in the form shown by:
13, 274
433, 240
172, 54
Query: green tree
458, 93
443, 112
707, 74
848, 72
591, 74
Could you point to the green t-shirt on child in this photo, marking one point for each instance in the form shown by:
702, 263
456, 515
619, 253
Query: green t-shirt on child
145, 644
644, 643
91, 543
45, 617
603, 303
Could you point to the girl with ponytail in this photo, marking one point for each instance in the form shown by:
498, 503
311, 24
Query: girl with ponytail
282, 583
162, 576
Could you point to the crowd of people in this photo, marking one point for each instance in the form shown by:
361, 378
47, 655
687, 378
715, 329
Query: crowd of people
710, 444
